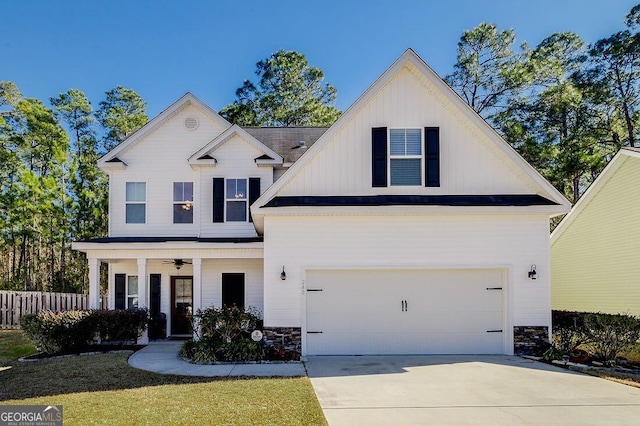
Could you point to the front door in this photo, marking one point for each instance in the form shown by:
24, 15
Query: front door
233, 290
181, 305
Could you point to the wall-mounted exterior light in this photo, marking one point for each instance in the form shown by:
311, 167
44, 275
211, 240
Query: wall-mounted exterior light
532, 273
283, 275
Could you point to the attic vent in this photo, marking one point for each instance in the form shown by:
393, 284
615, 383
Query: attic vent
191, 123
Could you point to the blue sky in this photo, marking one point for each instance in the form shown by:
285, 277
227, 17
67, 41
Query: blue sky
163, 49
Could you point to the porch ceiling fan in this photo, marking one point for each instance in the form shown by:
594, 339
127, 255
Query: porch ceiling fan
178, 263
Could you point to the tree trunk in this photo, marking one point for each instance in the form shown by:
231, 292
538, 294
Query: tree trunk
625, 107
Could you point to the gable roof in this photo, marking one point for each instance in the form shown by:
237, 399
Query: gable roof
609, 171
186, 100
409, 56
218, 141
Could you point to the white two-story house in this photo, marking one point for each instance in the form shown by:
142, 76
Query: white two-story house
407, 227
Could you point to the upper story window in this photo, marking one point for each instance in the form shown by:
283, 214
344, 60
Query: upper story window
233, 197
136, 199
405, 157
182, 202
236, 200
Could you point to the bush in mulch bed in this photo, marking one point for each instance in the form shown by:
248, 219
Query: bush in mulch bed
583, 335
224, 335
77, 331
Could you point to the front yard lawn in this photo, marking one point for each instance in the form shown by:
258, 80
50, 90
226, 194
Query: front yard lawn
13, 345
104, 389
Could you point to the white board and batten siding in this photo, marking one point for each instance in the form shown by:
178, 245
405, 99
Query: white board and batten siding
469, 162
160, 159
511, 243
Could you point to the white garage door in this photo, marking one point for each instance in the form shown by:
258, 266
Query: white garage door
351, 312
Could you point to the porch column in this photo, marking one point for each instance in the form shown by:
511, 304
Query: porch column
142, 294
197, 290
142, 283
94, 283
197, 284
111, 288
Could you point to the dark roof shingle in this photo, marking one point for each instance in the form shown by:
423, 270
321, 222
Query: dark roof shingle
283, 139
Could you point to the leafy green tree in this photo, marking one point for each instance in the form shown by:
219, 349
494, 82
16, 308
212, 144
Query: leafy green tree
632, 19
556, 125
617, 65
37, 193
88, 186
51, 190
120, 114
487, 70
10, 170
9, 94
290, 93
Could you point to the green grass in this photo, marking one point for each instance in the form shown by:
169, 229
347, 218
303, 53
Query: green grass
13, 345
104, 389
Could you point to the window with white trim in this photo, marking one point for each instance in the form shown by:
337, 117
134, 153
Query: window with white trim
182, 202
405, 157
136, 202
132, 291
236, 200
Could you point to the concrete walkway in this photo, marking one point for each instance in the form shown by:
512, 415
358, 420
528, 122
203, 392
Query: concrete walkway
465, 390
162, 357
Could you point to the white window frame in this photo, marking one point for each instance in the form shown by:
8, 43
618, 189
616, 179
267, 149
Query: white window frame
128, 296
228, 199
127, 202
184, 203
420, 157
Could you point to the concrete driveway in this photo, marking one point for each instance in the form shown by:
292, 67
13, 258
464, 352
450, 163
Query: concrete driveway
465, 390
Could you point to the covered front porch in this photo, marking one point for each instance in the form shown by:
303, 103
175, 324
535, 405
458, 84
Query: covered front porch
176, 278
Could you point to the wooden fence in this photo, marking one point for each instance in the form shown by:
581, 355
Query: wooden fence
15, 304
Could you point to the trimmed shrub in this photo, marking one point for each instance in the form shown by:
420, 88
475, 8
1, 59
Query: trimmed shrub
241, 349
59, 332
609, 335
72, 331
202, 351
604, 336
121, 326
225, 323
568, 331
224, 334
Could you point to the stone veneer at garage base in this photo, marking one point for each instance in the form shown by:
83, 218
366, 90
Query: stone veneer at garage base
288, 337
529, 339
526, 339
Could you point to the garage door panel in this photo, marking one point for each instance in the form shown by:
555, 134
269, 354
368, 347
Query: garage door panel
449, 321
403, 344
405, 312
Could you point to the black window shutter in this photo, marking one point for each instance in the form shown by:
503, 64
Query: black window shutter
218, 199
379, 157
432, 151
254, 193
154, 283
120, 291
